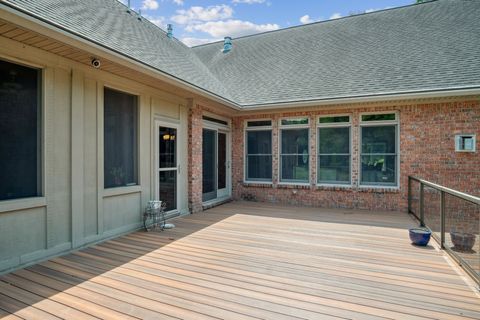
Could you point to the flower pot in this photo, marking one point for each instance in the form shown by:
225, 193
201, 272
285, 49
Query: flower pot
462, 241
420, 236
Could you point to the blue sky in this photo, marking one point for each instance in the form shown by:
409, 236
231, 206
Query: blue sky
196, 22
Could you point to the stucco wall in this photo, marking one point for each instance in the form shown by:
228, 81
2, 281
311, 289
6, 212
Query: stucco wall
427, 150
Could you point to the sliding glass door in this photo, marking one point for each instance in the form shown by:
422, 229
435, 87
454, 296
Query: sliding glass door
215, 164
209, 185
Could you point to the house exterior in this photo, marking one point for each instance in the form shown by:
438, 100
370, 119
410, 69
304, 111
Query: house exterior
101, 111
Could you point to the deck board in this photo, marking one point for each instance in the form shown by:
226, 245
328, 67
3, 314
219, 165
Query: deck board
249, 261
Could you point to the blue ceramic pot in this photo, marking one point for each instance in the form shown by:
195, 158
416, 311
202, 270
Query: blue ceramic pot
420, 236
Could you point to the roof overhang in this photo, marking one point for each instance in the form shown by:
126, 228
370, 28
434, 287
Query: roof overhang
20, 17
392, 96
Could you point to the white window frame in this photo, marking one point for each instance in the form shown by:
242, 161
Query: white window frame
245, 148
375, 123
458, 138
334, 125
282, 127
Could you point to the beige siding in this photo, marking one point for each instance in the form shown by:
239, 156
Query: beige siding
75, 209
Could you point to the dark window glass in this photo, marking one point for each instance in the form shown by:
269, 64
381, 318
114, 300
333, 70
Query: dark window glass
334, 155
286, 122
221, 160
20, 132
209, 165
334, 140
379, 155
259, 155
168, 147
334, 169
168, 188
120, 139
337, 119
379, 140
294, 155
379, 169
378, 117
259, 123
259, 142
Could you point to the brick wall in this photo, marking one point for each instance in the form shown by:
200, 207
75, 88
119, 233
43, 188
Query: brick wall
427, 150
195, 158
195, 145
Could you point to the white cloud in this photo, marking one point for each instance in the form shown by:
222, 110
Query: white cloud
201, 14
232, 28
335, 16
178, 2
376, 9
159, 21
191, 42
306, 19
149, 5
248, 1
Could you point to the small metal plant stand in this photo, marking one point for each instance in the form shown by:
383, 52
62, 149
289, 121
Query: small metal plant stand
154, 215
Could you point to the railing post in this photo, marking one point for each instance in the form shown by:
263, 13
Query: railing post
442, 219
422, 213
409, 195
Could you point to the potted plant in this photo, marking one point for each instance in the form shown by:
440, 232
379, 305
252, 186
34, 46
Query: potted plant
420, 236
462, 241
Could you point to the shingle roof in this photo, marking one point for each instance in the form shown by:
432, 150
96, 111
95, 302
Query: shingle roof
418, 48
108, 23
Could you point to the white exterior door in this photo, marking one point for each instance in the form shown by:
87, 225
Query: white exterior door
167, 164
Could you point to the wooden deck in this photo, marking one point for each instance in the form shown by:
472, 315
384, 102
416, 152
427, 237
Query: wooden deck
247, 260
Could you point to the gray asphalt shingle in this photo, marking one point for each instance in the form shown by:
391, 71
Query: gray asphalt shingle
416, 48
423, 47
108, 23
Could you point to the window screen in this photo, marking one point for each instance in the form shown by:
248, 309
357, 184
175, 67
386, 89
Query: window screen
120, 134
20, 131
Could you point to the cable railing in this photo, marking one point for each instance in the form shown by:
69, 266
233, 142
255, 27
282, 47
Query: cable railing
454, 219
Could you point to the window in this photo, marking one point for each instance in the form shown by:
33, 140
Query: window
294, 150
379, 149
259, 151
465, 143
334, 150
20, 132
120, 139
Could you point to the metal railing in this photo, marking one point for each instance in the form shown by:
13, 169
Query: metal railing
445, 210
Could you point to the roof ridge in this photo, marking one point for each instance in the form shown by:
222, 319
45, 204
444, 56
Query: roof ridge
320, 22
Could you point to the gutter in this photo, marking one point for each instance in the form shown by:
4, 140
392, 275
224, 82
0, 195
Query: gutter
22, 17
407, 95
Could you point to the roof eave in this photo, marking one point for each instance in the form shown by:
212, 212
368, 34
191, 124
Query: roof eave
16, 15
437, 93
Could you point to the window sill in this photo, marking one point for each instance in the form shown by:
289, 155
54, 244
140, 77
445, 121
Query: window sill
379, 189
22, 204
258, 184
120, 191
293, 185
335, 187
